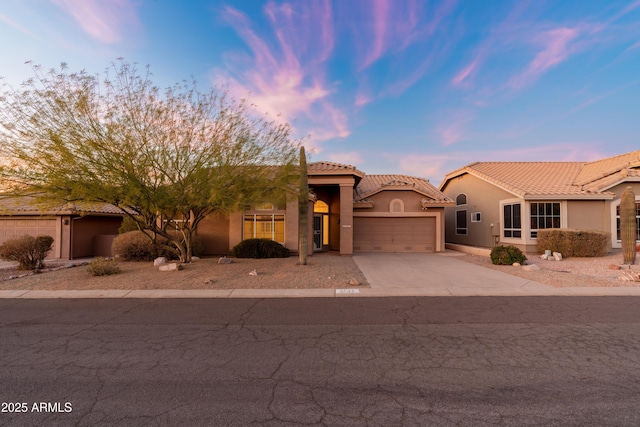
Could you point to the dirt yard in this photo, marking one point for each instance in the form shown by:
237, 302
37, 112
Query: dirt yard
570, 272
325, 270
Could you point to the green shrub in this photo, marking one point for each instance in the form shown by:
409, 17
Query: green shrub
260, 248
29, 251
101, 266
577, 243
127, 225
507, 255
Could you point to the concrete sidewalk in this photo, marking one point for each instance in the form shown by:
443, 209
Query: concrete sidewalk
390, 275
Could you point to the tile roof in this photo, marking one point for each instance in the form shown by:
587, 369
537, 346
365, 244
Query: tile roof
331, 167
29, 206
555, 179
372, 184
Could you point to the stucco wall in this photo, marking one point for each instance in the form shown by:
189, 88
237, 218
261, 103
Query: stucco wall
86, 228
481, 197
381, 201
214, 232
587, 215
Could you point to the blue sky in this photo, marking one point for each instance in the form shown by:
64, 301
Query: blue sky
391, 86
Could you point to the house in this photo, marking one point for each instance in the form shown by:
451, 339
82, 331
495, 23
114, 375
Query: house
349, 212
78, 231
508, 202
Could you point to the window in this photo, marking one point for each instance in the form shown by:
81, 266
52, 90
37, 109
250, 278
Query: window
396, 205
618, 236
512, 220
264, 227
544, 215
461, 199
475, 217
461, 221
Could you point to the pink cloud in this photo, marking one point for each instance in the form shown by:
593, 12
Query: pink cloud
16, 26
461, 78
381, 16
557, 48
285, 73
104, 21
453, 127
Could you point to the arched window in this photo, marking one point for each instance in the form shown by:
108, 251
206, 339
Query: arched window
320, 207
461, 199
396, 205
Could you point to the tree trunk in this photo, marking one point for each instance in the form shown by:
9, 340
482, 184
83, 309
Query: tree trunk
303, 209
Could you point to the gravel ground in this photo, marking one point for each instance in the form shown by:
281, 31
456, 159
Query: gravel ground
326, 270
570, 272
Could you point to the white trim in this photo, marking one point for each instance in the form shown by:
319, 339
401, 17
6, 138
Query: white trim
523, 224
615, 243
477, 215
466, 229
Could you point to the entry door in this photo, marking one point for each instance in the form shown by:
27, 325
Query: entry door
317, 232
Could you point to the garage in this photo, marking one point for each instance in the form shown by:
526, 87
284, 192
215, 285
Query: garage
393, 234
20, 226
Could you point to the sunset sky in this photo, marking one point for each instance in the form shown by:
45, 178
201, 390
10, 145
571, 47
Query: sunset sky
390, 86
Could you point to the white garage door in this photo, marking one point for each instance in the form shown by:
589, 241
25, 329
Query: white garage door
394, 234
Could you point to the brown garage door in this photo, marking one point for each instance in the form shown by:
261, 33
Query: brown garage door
394, 234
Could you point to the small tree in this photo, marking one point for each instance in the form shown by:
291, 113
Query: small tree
167, 158
303, 204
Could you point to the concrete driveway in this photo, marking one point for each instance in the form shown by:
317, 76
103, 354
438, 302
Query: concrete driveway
441, 274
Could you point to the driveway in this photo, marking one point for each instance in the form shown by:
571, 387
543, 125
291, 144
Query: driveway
441, 274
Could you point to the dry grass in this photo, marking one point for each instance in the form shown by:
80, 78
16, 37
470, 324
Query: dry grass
325, 270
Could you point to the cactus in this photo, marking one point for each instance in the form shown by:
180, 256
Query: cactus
303, 209
628, 226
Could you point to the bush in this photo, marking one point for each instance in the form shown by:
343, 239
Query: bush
578, 243
128, 225
137, 246
260, 248
29, 251
507, 255
101, 266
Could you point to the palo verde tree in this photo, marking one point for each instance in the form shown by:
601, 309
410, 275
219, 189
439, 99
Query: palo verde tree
167, 158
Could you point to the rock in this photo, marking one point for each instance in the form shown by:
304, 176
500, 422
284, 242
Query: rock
354, 282
630, 276
195, 258
614, 267
557, 256
171, 267
516, 264
253, 273
544, 256
159, 261
225, 260
531, 267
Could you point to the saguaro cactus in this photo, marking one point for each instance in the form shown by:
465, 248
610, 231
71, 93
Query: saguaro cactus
628, 226
303, 209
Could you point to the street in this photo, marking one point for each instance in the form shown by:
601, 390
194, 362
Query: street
321, 361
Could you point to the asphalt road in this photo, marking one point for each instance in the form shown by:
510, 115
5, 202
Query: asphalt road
469, 361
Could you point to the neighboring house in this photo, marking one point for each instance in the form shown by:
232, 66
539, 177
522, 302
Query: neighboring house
349, 212
508, 202
75, 234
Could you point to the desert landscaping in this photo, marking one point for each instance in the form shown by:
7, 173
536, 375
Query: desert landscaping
326, 270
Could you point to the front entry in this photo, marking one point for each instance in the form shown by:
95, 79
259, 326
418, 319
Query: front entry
317, 232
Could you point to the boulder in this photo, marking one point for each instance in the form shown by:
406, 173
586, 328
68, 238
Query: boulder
516, 264
614, 267
159, 261
253, 273
225, 260
544, 256
354, 282
557, 256
171, 267
531, 267
195, 258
